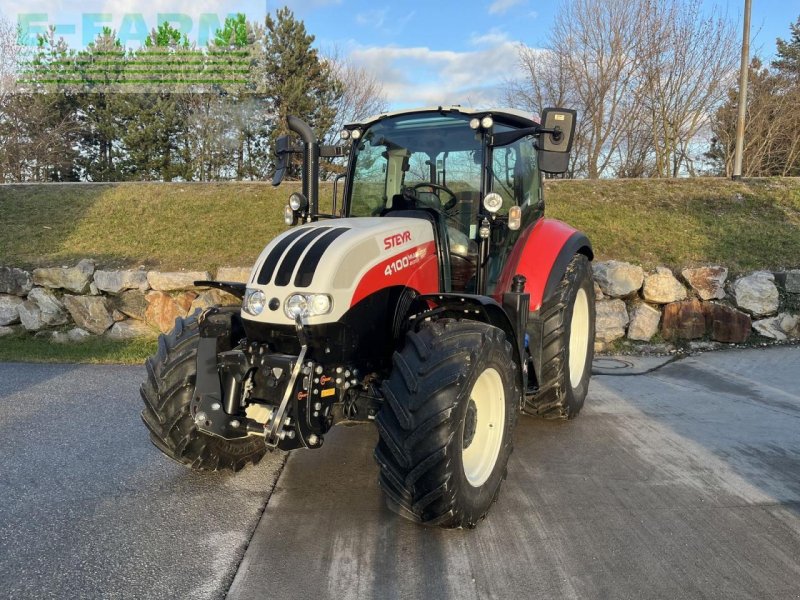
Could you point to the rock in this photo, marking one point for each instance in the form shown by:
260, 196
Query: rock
15, 281
128, 330
89, 312
41, 309
184, 301
9, 309
117, 316
167, 282
790, 325
131, 303
778, 328
707, 282
78, 335
644, 322
770, 328
58, 337
610, 320
599, 347
31, 316
235, 274
662, 287
598, 292
213, 297
703, 346
757, 293
75, 279
4, 331
163, 309
115, 282
618, 279
792, 281
726, 324
683, 320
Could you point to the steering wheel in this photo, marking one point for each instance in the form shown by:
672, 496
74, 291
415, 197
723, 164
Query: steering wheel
435, 186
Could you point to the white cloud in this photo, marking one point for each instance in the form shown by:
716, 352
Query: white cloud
372, 18
419, 76
494, 37
499, 7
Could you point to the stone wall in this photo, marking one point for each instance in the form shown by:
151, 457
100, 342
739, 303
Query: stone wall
699, 303
73, 303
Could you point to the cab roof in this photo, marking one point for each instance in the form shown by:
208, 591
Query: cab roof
509, 116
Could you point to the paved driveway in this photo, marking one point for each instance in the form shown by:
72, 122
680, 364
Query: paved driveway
90, 509
680, 483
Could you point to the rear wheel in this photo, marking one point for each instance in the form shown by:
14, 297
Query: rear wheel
567, 345
445, 427
167, 393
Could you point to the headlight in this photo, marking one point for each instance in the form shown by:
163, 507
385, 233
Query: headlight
254, 302
493, 202
514, 218
307, 305
289, 216
355, 134
487, 122
297, 201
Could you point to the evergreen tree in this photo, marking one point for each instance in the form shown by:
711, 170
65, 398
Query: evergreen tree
294, 76
788, 53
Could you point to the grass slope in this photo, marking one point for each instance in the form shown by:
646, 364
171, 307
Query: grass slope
680, 222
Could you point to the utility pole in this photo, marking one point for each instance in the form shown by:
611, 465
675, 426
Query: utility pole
737, 160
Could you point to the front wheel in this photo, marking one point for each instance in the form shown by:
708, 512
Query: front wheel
167, 393
567, 345
445, 427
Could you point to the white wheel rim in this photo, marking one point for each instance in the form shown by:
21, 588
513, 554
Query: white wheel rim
578, 338
480, 456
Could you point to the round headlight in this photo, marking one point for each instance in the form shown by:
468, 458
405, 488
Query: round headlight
297, 201
296, 306
288, 215
493, 202
254, 302
487, 122
320, 304
345, 134
474, 123
356, 133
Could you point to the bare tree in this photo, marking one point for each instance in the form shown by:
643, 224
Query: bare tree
644, 76
687, 64
546, 83
362, 95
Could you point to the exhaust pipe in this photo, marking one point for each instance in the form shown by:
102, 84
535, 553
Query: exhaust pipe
310, 162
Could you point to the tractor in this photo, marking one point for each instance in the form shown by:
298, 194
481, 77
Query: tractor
435, 300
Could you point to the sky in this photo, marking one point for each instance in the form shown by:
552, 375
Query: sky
424, 52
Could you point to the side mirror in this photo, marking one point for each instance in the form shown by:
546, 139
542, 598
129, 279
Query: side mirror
283, 151
556, 139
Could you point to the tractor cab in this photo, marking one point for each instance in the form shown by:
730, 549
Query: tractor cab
475, 175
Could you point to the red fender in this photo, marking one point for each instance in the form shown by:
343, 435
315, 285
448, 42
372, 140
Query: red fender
541, 254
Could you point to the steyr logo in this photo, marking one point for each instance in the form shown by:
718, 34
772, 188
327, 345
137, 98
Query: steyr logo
397, 239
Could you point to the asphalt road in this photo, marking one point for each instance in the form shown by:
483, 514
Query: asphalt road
683, 482
680, 483
90, 509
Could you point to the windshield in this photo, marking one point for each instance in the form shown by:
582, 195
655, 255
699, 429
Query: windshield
412, 151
